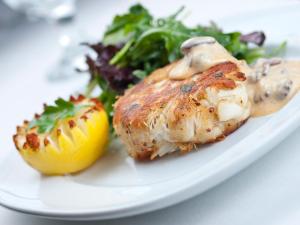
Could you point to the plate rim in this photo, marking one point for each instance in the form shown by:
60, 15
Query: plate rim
187, 190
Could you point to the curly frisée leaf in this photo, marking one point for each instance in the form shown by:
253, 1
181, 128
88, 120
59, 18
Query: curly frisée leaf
53, 114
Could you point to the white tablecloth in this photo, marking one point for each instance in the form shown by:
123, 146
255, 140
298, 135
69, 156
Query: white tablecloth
265, 193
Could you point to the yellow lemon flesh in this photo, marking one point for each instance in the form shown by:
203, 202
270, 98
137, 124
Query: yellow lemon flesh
73, 145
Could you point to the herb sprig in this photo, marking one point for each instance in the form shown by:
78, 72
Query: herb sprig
53, 114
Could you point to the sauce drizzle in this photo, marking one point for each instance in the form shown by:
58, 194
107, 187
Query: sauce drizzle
271, 83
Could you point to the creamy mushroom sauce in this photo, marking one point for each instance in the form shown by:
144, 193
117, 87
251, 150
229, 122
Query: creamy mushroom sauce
271, 83
201, 53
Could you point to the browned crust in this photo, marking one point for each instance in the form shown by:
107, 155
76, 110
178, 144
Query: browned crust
143, 155
132, 109
71, 123
46, 142
79, 98
98, 105
33, 141
15, 140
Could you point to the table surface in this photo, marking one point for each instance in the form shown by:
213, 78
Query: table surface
267, 192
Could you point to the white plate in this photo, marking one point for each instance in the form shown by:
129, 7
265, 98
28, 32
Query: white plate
117, 186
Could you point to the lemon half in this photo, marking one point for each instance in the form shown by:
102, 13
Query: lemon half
73, 145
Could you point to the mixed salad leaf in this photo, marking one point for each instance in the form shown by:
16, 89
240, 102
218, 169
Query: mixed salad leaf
136, 43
